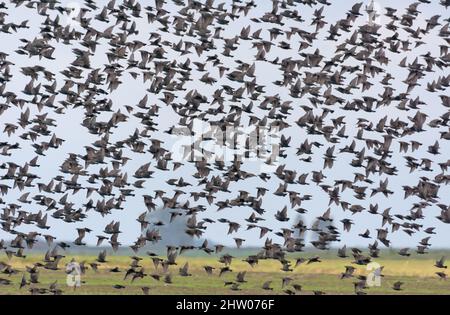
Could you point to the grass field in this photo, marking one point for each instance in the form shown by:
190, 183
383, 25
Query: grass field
417, 273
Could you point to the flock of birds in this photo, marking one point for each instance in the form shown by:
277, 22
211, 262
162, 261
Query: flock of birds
193, 65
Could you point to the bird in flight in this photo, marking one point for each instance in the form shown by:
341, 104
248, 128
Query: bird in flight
309, 115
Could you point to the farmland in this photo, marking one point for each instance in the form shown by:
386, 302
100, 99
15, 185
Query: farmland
416, 272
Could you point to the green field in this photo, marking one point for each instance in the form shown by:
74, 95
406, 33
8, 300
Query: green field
417, 273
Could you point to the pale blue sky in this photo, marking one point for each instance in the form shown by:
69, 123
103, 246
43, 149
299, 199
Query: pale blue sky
131, 91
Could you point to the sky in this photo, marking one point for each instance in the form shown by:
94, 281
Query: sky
130, 92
